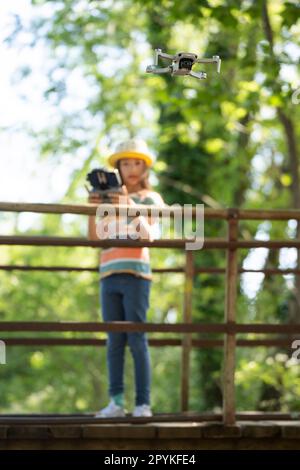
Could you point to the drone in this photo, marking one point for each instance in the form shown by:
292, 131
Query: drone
182, 64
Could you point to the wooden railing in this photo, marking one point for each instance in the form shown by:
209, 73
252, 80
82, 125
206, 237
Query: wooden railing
229, 328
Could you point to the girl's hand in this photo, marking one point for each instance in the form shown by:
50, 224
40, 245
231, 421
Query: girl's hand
95, 198
121, 198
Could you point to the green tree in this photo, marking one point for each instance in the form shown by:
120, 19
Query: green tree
228, 141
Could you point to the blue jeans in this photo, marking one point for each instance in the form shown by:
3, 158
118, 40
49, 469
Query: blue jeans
125, 297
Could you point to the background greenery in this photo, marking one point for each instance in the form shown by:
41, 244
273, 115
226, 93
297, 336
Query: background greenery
229, 141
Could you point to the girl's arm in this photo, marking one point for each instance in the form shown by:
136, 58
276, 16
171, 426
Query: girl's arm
146, 225
92, 235
143, 225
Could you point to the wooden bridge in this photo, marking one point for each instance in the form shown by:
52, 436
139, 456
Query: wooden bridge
185, 430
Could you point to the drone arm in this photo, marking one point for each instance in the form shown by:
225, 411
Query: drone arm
215, 60
163, 55
167, 56
199, 75
156, 55
155, 69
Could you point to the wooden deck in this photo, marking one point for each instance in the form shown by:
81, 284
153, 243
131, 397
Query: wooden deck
162, 432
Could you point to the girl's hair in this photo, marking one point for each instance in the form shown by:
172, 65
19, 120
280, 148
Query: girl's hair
144, 182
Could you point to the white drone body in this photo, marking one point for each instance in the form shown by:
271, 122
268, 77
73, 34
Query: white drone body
182, 64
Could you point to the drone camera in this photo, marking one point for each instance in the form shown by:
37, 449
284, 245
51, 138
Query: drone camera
186, 63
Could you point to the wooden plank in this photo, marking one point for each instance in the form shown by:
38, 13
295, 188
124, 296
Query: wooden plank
70, 420
230, 317
265, 328
261, 430
90, 209
187, 340
121, 431
230, 328
65, 432
16, 267
195, 343
219, 430
125, 432
212, 243
3, 432
38, 240
111, 326
28, 432
178, 430
270, 214
88, 418
290, 430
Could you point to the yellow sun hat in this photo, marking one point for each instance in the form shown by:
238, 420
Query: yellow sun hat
133, 148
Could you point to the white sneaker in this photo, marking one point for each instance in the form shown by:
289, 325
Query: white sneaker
111, 411
142, 411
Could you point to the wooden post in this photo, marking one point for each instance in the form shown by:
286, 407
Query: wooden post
187, 340
230, 317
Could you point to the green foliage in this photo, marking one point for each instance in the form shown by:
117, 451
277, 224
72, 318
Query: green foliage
278, 386
219, 142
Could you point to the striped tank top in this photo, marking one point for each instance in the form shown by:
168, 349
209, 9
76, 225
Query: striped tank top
130, 259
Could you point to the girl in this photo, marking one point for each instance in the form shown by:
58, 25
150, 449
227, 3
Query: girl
125, 281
